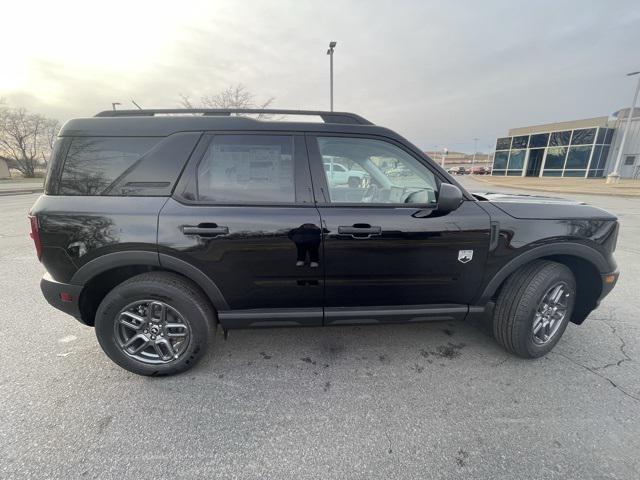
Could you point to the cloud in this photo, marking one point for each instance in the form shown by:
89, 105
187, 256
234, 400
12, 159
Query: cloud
440, 73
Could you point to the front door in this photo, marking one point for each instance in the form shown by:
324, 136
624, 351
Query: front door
384, 260
534, 163
243, 215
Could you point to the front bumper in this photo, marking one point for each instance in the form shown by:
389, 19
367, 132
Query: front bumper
63, 296
609, 281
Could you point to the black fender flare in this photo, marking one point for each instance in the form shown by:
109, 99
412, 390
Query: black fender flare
196, 275
113, 260
110, 261
579, 250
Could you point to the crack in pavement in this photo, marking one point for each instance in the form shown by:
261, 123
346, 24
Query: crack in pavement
501, 362
596, 372
623, 344
622, 347
389, 440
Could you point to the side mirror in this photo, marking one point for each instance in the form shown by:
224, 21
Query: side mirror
449, 199
421, 196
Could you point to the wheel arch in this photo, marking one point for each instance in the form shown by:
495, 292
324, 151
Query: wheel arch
586, 264
101, 275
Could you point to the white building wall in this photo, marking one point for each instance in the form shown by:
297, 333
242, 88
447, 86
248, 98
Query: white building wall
631, 146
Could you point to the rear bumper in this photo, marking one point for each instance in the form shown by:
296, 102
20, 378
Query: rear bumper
63, 296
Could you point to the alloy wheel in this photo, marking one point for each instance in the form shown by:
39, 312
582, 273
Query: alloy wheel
550, 313
152, 331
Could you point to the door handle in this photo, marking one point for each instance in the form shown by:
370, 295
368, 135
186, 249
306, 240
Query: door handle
360, 230
210, 230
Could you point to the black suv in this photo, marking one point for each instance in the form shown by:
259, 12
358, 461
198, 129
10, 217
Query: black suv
156, 225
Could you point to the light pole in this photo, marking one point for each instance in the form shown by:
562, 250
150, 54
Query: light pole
475, 149
489, 160
445, 152
332, 45
614, 177
113, 104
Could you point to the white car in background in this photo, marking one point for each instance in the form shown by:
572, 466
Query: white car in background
338, 174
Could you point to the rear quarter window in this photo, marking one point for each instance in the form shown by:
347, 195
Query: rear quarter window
93, 164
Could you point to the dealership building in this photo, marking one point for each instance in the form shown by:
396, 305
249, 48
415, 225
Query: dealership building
585, 148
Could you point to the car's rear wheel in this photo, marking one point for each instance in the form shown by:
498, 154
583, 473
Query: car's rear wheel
534, 307
154, 324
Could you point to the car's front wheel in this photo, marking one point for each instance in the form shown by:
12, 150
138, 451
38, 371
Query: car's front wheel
155, 323
534, 307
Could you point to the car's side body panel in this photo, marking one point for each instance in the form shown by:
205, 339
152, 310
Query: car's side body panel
413, 261
75, 231
522, 240
254, 264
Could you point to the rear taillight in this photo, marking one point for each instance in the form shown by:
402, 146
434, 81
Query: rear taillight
35, 234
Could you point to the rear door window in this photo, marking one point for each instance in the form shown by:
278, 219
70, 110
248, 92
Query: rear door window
247, 169
92, 164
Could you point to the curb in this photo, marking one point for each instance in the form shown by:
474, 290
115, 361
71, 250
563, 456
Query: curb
564, 192
22, 191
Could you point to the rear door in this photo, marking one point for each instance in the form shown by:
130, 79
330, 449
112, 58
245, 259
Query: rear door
383, 252
243, 214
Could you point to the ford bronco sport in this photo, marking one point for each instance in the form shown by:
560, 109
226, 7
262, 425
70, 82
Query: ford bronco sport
156, 225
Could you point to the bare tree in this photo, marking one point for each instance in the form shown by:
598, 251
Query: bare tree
51, 129
235, 96
25, 138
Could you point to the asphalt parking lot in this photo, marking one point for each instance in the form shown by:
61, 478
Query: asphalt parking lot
438, 400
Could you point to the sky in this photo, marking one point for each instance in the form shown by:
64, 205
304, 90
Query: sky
439, 73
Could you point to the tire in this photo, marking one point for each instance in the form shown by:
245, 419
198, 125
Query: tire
354, 182
518, 303
189, 317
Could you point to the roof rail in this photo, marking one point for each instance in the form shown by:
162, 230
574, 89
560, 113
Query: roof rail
327, 117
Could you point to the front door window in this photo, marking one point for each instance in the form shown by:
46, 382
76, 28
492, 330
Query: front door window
363, 170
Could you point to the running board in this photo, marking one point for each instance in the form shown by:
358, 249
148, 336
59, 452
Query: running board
271, 317
299, 317
393, 314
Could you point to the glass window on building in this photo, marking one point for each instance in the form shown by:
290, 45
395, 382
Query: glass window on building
559, 139
500, 163
539, 140
585, 136
516, 162
609, 136
578, 157
604, 136
598, 161
520, 142
555, 158
503, 143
